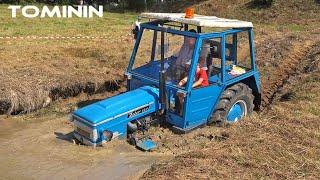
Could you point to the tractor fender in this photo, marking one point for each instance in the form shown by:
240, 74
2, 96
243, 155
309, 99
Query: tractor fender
254, 83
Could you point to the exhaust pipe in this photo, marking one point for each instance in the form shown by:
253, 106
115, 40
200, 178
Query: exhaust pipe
162, 81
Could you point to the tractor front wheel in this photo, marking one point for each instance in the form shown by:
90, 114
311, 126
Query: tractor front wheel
235, 103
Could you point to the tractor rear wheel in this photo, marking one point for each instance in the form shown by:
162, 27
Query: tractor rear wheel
235, 103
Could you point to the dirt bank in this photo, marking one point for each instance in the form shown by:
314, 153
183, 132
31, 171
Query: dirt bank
30, 83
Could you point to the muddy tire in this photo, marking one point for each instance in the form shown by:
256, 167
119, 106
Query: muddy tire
235, 103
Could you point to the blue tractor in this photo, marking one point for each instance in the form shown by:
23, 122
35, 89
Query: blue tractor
169, 47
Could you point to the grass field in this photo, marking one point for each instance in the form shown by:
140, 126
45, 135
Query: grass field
36, 71
112, 24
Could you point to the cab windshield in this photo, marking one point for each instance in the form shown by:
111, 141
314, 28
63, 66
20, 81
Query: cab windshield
178, 52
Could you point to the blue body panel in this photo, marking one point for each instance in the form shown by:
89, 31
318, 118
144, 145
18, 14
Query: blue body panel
201, 105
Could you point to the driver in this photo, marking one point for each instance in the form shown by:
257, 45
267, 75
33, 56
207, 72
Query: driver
177, 71
201, 78
184, 55
186, 51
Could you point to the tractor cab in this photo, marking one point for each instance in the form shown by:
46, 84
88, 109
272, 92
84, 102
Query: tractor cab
170, 47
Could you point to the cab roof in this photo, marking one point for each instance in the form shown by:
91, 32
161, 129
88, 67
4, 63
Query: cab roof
198, 20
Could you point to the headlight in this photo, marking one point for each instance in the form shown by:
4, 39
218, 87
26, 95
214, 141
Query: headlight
94, 135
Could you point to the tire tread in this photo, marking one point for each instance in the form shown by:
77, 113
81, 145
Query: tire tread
228, 97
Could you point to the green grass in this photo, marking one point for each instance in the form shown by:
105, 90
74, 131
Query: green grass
296, 27
110, 24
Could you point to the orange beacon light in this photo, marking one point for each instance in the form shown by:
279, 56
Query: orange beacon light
189, 13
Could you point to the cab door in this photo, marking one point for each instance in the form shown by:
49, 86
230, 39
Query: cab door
199, 104
200, 101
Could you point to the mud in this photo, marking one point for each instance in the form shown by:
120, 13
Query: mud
39, 146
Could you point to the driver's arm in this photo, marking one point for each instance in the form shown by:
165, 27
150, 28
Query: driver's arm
197, 83
183, 81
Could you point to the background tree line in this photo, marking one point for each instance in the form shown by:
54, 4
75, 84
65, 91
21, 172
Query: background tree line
135, 5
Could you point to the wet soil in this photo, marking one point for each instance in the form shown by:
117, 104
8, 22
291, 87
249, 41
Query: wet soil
39, 146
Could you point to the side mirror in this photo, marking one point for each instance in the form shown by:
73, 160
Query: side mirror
135, 32
136, 29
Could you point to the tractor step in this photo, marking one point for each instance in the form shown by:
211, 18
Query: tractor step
146, 144
178, 130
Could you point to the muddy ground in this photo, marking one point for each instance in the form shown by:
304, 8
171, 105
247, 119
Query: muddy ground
40, 146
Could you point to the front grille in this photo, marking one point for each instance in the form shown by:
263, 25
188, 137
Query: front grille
83, 132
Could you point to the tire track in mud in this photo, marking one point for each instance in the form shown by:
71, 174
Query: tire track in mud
287, 68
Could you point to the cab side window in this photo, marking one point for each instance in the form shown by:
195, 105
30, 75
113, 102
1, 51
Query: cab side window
242, 56
213, 58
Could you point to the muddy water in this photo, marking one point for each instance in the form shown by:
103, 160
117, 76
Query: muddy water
42, 148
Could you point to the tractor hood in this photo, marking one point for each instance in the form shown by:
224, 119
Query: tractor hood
128, 105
